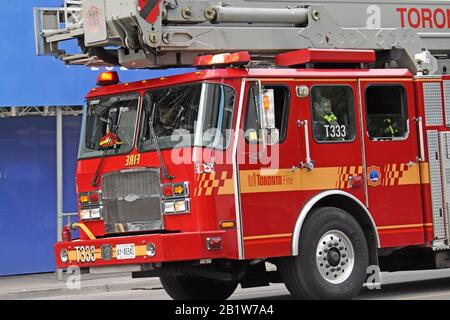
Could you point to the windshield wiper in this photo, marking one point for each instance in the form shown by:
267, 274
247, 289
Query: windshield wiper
165, 173
94, 182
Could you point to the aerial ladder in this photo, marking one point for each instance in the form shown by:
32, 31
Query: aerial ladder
171, 33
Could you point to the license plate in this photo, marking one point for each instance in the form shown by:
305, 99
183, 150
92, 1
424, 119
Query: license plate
125, 251
85, 253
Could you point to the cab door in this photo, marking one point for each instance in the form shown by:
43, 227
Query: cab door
267, 181
391, 152
331, 110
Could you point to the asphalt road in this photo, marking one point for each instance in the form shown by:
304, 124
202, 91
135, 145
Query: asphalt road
417, 285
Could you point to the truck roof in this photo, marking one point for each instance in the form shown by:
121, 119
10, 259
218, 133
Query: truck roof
260, 73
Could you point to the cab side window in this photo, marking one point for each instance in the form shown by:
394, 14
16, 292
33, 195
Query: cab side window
333, 113
281, 101
386, 111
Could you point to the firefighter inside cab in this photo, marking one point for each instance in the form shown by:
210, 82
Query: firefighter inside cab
330, 114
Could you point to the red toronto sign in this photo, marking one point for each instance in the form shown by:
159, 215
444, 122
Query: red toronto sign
437, 18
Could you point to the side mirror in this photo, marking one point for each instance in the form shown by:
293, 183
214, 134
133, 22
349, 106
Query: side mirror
110, 141
266, 110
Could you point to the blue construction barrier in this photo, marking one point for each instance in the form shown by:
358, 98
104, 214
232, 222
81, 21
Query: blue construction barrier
28, 190
30, 80
27, 144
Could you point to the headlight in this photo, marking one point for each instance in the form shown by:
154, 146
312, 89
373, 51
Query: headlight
96, 213
175, 196
85, 214
179, 206
169, 207
64, 255
151, 249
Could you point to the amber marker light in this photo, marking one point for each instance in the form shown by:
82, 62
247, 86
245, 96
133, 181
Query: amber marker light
227, 225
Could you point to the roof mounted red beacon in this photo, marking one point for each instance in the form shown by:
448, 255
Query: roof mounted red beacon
108, 78
223, 59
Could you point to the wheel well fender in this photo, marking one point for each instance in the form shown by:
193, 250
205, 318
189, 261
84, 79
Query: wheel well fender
349, 203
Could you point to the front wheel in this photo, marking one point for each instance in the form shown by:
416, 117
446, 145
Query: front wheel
195, 288
332, 259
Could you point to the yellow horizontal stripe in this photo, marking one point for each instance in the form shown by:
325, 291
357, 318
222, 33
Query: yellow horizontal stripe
324, 178
409, 175
139, 251
424, 173
268, 236
405, 226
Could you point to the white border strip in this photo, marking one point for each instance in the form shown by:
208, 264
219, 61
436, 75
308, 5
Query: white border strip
237, 191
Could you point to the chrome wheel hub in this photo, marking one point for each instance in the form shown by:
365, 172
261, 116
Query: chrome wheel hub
335, 256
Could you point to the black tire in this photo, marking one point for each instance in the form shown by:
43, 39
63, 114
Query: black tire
195, 288
301, 273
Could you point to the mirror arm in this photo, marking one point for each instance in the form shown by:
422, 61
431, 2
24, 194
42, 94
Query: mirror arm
261, 115
309, 163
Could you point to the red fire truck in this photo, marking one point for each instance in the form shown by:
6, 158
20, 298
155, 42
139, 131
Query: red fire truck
323, 161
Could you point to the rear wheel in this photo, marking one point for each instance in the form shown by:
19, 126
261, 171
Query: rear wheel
332, 260
195, 288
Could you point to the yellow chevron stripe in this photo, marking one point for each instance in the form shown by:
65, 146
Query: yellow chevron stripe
323, 178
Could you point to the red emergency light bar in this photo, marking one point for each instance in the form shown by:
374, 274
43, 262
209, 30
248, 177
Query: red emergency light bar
237, 58
108, 78
298, 57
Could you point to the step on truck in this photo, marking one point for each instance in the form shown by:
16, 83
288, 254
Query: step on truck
309, 146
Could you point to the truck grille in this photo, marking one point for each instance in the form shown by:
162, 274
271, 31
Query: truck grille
132, 200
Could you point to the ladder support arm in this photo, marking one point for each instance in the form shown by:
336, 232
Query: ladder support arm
172, 33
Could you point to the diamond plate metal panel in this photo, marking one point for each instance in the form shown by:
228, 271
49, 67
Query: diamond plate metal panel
446, 86
445, 164
432, 96
437, 200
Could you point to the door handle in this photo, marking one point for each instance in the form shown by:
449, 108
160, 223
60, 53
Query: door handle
421, 157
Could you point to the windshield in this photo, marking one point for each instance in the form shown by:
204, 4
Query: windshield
198, 114
104, 115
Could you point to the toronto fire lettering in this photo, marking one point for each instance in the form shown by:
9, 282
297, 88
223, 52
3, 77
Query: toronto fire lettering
437, 18
256, 180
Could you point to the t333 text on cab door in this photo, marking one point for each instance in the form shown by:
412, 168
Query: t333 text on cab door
312, 136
